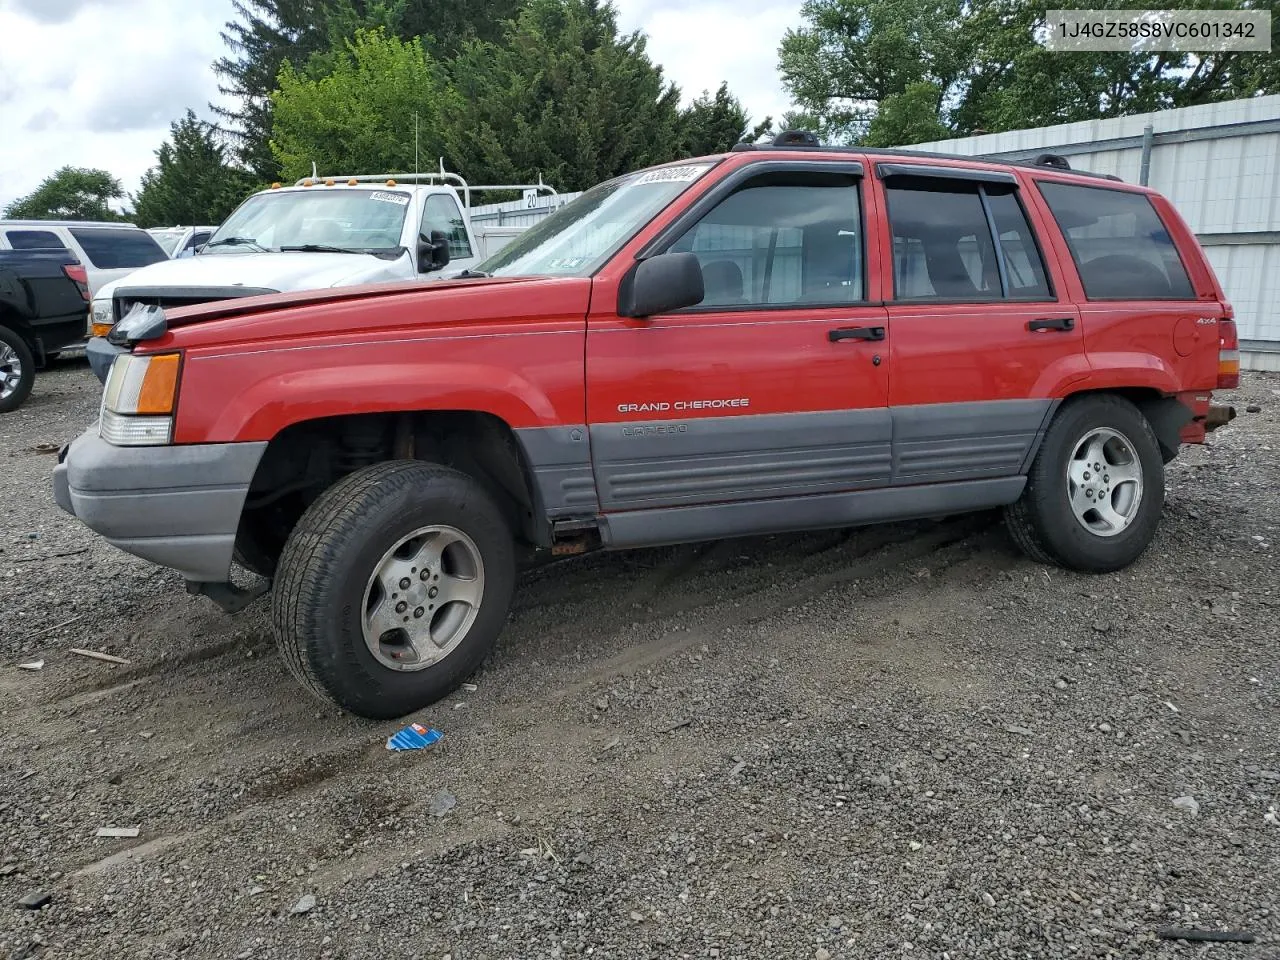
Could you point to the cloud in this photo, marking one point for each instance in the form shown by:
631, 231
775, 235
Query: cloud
41, 121
702, 45
111, 109
107, 102
49, 11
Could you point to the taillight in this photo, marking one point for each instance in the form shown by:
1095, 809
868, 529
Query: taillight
1228, 353
80, 275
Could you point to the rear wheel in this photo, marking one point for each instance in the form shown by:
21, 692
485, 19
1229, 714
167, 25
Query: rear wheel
17, 370
1096, 490
393, 587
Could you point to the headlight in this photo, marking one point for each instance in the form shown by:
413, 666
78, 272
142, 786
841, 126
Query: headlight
100, 318
138, 401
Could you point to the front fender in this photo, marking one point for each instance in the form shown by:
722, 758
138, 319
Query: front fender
262, 407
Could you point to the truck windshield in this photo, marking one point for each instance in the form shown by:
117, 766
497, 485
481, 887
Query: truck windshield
578, 238
357, 220
168, 239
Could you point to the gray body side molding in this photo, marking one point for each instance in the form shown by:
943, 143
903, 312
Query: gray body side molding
699, 478
560, 458
674, 462
635, 528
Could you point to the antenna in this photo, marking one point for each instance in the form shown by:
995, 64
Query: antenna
416, 168
314, 174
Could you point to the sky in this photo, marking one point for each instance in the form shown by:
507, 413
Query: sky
96, 83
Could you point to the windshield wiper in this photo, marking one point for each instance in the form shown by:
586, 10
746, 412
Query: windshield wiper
236, 242
318, 248
468, 273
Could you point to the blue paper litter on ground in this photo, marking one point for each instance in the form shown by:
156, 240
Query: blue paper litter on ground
413, 737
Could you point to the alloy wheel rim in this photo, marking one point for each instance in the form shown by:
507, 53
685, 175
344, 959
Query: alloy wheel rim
10, 371
1104, 482
422, 598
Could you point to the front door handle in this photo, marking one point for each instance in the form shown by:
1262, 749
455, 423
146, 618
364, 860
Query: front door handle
855, 333
1052, 323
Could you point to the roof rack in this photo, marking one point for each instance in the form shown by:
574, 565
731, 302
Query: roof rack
807, 140
441, 177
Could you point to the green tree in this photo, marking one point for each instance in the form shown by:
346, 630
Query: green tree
937, 68
714, 123
70, 193
911, 116
564, 95
192, 182
359, 118
264, 34
311, 36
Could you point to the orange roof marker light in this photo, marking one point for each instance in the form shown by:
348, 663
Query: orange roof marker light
391, 183
275, 186
328, 183
306, 183
352, 182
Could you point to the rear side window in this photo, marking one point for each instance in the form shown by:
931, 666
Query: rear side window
1120, 246
1023, 266
110, 249
441, 213
34, 240
962, 241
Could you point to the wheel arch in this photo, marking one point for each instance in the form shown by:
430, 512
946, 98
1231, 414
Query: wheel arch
1167, 415
308, 456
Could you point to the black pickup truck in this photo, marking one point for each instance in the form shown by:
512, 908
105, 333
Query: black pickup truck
44, 307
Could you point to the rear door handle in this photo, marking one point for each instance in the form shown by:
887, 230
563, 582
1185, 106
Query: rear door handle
1053, 323
855, 333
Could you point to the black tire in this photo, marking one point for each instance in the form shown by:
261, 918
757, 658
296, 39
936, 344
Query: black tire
318, 603
27, 375
1042, 522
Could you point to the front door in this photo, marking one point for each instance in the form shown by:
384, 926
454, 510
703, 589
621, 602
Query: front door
983, 338
773, 388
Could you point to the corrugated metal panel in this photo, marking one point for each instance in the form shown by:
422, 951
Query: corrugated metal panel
517, 213
1254, 290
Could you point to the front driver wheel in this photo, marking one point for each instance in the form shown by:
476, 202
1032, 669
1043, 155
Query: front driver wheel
393, 587
1095, 492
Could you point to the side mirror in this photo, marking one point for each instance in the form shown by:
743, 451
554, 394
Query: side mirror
433, 251
660, 284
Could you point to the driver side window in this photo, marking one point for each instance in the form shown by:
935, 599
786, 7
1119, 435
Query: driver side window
441, 212
779, 240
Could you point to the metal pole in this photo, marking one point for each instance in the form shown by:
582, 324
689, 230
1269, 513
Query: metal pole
1148, 135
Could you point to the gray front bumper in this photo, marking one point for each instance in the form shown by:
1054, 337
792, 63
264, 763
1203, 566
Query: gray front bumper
175, 506
101, 355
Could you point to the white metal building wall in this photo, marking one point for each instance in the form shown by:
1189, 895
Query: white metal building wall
1220, 165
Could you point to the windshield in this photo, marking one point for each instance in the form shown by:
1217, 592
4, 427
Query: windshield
356, 220
578, 238
168, 239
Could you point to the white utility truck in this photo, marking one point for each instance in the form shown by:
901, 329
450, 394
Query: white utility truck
320, 232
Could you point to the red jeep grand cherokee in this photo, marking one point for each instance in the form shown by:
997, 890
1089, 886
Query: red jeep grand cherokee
781, 338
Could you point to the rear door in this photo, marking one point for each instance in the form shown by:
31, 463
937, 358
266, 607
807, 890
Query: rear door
775, 386
1140, 309
984, 339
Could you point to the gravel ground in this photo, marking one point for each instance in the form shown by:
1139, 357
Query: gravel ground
901, 741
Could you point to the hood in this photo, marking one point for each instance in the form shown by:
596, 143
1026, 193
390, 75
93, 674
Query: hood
275, 271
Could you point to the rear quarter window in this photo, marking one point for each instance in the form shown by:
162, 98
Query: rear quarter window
34, 240
1120, 246
110, 249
